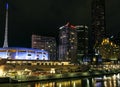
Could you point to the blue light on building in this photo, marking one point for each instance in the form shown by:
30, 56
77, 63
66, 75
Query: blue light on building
23, 53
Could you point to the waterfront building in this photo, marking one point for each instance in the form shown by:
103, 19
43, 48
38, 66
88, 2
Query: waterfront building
109, 50
20, 52
73, 42
23, 53
67, 42
46, 43
98, 22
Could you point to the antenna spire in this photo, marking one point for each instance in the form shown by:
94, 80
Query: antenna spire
6, 28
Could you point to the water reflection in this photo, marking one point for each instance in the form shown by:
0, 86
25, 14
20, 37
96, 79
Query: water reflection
69, 83
103, 81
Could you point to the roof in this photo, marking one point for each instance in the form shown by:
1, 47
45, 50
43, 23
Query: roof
22, 48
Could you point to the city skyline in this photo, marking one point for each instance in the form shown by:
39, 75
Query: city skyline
44, 17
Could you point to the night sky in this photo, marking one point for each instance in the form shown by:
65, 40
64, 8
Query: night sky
44, 17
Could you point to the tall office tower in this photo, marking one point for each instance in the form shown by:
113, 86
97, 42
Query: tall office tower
67, 43
82, 41
6, 29
98, 22
46, 43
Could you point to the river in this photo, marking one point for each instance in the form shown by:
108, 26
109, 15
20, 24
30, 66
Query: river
103, 81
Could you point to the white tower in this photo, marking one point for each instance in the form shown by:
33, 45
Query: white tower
6, 28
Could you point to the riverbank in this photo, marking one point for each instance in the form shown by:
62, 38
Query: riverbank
23, 78
30, 73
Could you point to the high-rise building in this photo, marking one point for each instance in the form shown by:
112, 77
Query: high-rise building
82, 41
67, 42
73, 42
98, 22
46, 43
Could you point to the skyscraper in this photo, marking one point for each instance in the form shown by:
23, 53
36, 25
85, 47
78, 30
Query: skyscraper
82, 41
6, 29
73, 42
46, 43
98, 22
67, 43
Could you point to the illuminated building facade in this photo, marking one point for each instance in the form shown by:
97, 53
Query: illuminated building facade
67, 42
73, 42
98, 21
46, 43
109, 50
23, 53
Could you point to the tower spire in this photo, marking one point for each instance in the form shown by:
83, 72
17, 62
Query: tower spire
6, 28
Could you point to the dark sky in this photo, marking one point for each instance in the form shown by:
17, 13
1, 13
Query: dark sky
44, 17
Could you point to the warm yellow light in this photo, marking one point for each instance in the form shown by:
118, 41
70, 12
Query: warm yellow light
94, 59
19, 72
52, 70
1, 71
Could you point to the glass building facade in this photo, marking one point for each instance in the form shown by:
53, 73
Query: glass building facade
73, 42
67, 43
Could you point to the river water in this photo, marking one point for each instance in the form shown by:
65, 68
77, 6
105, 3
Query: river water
103, 81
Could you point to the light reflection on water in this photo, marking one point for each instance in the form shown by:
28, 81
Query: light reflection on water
104, 81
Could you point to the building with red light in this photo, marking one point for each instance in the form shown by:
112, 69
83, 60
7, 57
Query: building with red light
73, 42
